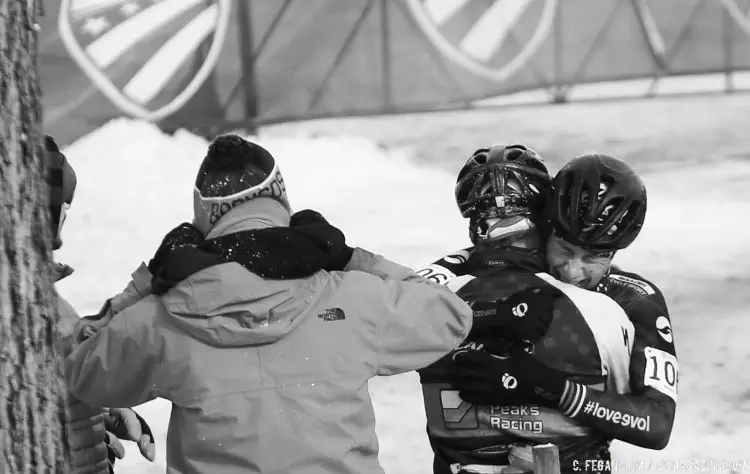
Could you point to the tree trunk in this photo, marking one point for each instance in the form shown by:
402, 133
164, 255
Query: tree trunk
32, 436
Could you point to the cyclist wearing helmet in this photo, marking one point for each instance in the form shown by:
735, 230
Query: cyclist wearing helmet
584, 335
597, 206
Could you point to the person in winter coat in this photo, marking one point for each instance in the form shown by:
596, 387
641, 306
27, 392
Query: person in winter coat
263, 334
92, 431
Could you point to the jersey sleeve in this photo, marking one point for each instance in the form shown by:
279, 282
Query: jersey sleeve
645, 416
447, 268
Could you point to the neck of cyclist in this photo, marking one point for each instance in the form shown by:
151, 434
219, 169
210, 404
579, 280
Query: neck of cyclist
517, 231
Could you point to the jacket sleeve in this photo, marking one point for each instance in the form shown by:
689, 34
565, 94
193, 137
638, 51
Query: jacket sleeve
65, 325
138, 288
85, 424
381, 267
440, 272
415, 322
645, 416
119, 365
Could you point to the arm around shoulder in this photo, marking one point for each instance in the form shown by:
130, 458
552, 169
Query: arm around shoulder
368, 262
415, 322
645, 415
138, 288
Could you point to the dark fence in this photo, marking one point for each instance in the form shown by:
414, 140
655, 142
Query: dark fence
209, 65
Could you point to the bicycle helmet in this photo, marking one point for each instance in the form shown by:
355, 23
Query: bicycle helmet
598, 203
502, 181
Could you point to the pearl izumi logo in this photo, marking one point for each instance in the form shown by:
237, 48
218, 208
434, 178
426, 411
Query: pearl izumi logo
520, 310
624, 419
509, 382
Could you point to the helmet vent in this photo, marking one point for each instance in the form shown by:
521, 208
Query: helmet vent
514, 154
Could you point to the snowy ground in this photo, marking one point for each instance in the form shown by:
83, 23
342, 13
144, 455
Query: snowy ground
135, 184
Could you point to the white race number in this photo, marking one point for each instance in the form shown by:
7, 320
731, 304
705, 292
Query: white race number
437, 274
662, 372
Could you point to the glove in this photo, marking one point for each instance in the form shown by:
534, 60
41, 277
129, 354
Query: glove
483, 378
87, 326
115, 450
313, 225
183, 235
307, 217
524, 316
125, 423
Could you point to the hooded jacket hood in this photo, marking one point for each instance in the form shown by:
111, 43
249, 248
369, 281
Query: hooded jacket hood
225, 305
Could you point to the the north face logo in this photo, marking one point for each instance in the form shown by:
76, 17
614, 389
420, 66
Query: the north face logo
332, 314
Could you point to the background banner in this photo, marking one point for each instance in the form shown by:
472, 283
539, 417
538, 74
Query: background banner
209, 65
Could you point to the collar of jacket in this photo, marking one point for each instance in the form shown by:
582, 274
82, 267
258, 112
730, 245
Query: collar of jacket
493, 256
257, 213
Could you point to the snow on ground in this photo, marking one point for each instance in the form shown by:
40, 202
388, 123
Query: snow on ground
135, 184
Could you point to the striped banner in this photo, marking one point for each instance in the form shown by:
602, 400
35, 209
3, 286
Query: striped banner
490, 38
740, 13
140, 53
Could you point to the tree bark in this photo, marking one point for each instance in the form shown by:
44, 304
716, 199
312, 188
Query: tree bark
32, 417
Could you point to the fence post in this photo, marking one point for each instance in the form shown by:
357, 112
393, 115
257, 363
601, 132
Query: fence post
247, 62
385, 52
728, 40
560, 95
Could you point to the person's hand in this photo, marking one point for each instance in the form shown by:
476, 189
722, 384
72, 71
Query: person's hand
524, 316
483, 378
115, 450
126, 424
87, 326
307, 217
317, 228
185, 234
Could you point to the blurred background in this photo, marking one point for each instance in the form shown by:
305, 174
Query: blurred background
217, 64
372, 106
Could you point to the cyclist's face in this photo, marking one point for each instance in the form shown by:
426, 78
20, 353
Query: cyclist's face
572, 264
